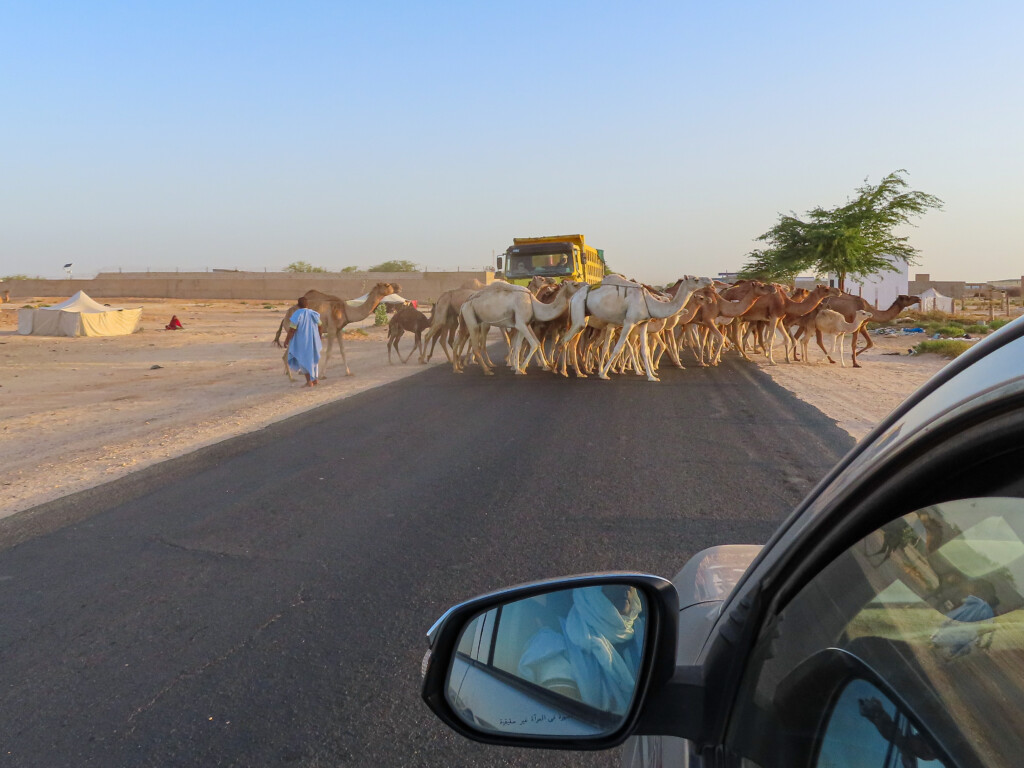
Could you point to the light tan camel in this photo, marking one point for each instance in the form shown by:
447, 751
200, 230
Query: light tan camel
444, 321
830, 323
335, 314
6, 299
507, 306
408, 318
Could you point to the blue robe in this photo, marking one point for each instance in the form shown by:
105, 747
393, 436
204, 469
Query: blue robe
304, 348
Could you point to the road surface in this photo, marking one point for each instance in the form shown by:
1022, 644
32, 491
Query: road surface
264, 601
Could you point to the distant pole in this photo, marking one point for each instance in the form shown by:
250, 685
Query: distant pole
991, 308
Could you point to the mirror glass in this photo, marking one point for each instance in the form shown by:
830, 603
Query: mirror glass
564, 663
499, 264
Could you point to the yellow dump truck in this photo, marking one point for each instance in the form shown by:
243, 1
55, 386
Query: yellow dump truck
561, 257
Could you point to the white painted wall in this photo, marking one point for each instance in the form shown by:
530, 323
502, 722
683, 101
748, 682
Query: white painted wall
882, 289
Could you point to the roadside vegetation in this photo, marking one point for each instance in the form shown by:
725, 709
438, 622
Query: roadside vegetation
943, 347
303, 266
853, 239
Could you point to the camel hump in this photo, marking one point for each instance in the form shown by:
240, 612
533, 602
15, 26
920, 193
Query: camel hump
499, 286
619, 280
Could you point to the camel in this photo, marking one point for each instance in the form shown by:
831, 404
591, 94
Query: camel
618, 301
771, 310
408, 318
444, 320
507, 306
336, 313
846, 304
718, 307
6, 298
827, 322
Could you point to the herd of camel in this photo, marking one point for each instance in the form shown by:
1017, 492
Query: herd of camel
615, 326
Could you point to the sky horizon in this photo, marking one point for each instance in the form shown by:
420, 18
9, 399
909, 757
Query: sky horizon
248, 136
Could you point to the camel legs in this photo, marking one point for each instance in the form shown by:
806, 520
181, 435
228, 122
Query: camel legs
287, 370
818, 338
327, 354
418, 345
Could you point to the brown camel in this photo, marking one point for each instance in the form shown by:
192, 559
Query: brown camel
771, 310
408, 318
847, 305
729, 310
336, 313
6, 298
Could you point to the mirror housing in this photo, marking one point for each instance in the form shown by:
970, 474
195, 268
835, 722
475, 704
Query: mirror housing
656, 667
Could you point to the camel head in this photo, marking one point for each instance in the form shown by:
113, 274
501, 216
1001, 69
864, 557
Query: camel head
381, 290
537, 282
905, 301
692, 283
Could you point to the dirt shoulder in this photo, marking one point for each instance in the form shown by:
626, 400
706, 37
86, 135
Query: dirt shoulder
857, 398
77, 412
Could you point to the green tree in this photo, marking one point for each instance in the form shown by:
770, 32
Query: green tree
853, 239
303, 266
350, 269
394, 266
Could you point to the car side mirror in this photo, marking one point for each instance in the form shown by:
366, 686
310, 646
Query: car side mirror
562, 664
498, 265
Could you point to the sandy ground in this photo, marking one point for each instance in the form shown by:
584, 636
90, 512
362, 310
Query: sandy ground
75, 413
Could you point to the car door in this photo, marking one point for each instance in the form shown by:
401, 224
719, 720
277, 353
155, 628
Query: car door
897, 636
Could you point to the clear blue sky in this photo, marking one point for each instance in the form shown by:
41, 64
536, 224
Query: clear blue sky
253, 134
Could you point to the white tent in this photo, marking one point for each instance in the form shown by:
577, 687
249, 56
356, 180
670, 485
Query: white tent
78, 316
933, 300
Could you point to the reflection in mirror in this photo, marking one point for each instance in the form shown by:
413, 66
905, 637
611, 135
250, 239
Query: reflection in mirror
564, 663
867, 730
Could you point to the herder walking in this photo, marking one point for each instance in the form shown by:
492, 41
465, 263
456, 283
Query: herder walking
303, 342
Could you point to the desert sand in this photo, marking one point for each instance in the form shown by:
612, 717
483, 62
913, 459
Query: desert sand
78, 412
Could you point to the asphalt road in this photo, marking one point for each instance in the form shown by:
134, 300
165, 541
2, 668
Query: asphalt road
264, 601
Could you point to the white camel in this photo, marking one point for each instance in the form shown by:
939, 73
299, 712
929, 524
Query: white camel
622, 302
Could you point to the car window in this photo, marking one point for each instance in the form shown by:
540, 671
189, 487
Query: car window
931, 606
867, 730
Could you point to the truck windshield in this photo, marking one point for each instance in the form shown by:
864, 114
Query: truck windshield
545, 264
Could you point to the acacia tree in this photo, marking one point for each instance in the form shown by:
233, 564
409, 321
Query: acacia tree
853, 239
399, 265
303, 266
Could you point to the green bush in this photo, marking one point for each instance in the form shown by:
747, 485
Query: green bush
977, 328
380, 315
998, 323
944, 347
950, 330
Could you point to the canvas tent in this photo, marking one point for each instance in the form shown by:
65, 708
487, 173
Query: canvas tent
933, 300
78, 316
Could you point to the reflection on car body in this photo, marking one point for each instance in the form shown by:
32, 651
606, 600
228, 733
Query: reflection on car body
882, 624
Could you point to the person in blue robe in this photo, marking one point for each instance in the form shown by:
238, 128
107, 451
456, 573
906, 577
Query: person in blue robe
304, 343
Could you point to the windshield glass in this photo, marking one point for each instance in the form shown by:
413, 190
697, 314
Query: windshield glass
545, 264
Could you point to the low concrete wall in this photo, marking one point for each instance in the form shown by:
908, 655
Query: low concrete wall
273, 286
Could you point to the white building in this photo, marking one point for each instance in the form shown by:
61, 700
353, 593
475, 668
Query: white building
880, 290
